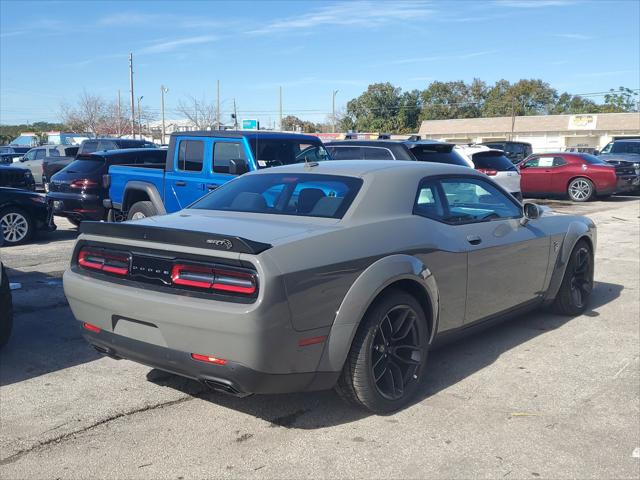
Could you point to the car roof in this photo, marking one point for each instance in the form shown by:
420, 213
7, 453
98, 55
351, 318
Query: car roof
124, 151
627, 140
250, 134
363, 143
367, 168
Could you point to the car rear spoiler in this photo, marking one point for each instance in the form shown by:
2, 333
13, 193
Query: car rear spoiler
174, 236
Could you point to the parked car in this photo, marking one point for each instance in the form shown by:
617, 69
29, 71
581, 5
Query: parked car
22, 215
14, 149
306, 277
9, 155
76, 192
16, 177
514, 151
493, 163
580, 176
6, 306
198, 162
421, 150
53, 165
34, 159
623, 153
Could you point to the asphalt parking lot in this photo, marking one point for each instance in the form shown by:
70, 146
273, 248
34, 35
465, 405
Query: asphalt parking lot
541, 396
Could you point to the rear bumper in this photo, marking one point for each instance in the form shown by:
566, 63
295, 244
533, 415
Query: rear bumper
232, 378
77, 206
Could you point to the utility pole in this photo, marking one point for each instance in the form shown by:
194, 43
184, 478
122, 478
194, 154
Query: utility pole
333, 110
235, 115
218, 107
140, 117
163, 90
119, 127
133, 113
281, 108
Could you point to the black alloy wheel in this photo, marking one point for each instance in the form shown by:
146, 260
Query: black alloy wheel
577, 284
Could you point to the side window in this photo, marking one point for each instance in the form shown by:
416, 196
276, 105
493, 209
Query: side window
107, 145
533, 162
54, 152
89, 146
428, 203
345, 153
30, 155
146, 158
559, 161
190, 155
40, 153
376, 153
474, 200
223, 152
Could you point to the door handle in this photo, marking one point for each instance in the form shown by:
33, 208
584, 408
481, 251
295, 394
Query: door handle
474, 239
212, 186
180, 183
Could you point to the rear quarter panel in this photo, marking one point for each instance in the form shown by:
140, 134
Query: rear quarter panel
121, 175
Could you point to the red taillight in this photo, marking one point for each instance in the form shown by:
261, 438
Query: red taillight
208, 359
212, 278
83, 183
487, 171
91, 328
108, 262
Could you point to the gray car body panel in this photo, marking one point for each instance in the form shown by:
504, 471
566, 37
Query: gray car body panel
321, 274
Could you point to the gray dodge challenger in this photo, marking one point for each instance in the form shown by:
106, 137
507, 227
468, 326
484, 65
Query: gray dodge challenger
333, 274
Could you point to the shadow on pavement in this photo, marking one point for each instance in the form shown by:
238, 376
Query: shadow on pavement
447, 366
45, 336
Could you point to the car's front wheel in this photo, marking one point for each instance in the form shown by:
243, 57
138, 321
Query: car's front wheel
16, 225
577, 283
141, 210
387, 358
581, 189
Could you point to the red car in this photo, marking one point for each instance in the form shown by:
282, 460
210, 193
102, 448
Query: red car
579, 175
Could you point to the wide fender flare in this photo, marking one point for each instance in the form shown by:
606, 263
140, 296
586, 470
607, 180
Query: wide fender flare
148, 188
361, 295
575, 232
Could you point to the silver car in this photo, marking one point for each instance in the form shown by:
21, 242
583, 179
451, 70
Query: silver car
333, 274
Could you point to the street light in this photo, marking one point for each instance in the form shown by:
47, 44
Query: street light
333, 117
163, 90
140, 117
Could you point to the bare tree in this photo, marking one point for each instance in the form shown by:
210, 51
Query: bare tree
202, 114
88, 115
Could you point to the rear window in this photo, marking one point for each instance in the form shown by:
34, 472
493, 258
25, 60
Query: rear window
345, 153
273, 152
438, 153
492, 161
85, 165
89, 146
308, 195
592, 159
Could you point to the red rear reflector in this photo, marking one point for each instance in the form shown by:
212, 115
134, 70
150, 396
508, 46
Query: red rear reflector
311, 341
208, 359
103, 261
83, 183
210, 278
91, 328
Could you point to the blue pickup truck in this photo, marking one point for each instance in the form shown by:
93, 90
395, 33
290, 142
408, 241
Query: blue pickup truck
198, 162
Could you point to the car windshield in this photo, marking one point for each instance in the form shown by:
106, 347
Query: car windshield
85, 165
592, 159
438, 153
310, 195
626, 147
493, 161
273, 152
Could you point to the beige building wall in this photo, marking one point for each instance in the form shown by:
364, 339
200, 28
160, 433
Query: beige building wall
545, 133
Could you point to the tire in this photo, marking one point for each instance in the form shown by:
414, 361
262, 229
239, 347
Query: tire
581, 189
6, 310
16, 225
141, 210
577, 283
376, 355
115, 216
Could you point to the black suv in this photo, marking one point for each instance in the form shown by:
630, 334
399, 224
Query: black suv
421, 150
76, 192
514, 151
16, 177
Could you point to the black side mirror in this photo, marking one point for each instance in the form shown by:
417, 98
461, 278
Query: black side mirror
238, 166
531, 212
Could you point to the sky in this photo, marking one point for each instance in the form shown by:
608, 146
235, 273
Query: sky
50, 52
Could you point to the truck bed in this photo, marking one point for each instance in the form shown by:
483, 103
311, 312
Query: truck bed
122, 174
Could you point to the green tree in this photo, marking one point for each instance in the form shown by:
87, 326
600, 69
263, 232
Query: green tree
293, 123
445, 100
568, 103
525, 97
409, 112
376, 110
621, 100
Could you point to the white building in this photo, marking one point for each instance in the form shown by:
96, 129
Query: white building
545, 133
